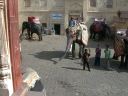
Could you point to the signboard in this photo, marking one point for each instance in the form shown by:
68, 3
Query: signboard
56, 16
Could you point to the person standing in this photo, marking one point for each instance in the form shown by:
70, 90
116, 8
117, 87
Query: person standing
86, 59
97, 56
52, 31
119, 13
107, 52
71, 22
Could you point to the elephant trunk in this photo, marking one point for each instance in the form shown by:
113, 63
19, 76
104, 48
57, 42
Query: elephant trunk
69, 42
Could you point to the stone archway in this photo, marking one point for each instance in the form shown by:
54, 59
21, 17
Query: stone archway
76, 6
76, 10
73, 8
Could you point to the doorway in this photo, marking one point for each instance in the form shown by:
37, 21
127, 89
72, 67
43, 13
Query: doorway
57, 29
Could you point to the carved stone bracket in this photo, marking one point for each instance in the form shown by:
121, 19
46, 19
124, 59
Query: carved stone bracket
1, 4
4, 71
4, 66
4, 74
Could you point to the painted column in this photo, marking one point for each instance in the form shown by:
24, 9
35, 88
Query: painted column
66, 20
66, 14
5, 63
14, 46
85, 12
85, 5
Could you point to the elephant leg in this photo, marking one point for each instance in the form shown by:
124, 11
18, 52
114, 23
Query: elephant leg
101, 35
91, 35
115, 57
94, 35
122, 61
67, 41
126, 61
73, 49
81, 50
39, 36
29, 34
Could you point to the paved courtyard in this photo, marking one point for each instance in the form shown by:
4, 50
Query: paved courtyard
66, 78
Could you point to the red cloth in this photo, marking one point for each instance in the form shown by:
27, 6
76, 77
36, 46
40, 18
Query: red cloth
98, 27
30, 19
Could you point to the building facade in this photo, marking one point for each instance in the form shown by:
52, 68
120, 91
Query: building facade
56, 13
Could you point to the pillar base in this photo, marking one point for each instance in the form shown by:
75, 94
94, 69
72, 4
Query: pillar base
22, 91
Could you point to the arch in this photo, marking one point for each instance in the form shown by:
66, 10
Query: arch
76, 6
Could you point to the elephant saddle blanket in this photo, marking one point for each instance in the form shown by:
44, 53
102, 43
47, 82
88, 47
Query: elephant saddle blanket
118, 46
98, 27
73, 31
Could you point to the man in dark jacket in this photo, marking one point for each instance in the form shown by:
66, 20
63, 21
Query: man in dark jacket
86, 59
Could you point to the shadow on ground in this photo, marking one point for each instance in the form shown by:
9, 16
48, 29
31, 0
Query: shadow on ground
72, 68
113, 63
49, 55
38, 87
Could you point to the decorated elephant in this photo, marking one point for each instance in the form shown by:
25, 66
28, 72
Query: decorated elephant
33, 27
101, 29
121, 48
79, 35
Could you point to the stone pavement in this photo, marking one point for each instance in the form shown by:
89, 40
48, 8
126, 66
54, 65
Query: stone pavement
66, 78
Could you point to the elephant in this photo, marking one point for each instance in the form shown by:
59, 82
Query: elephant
79, 35
32, 28
101, 29
121, 49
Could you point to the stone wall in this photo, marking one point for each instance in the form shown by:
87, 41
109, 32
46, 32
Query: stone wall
67, 8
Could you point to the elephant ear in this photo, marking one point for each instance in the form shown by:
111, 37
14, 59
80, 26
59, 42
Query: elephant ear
85, 34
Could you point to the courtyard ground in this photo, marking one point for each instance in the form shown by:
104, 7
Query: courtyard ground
66, 78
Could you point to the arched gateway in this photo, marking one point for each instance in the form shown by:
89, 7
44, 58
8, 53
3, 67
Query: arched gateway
10, 72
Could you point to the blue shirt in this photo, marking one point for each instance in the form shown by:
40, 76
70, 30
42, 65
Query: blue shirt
71, 23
